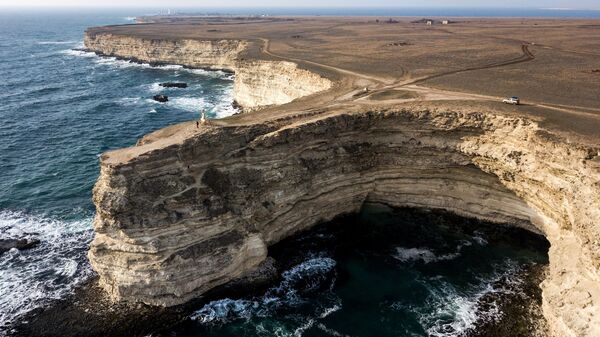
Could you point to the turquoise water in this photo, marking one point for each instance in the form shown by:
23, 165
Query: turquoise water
61, 108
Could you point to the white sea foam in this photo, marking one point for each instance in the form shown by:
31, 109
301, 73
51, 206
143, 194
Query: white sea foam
331, 310
120, 63
57, 42
425, 255
224, 107
450, 311
330, 331
30, 278
211, 73
128, 101
422, 254
306, 276
155, 87
307, 325
192, 104
479, 239
78, 53
130, 18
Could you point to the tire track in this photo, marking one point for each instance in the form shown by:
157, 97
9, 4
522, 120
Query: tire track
525, 57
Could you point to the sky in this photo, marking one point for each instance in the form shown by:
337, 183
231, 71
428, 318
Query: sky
570, 4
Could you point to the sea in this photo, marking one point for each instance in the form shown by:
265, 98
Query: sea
61, 108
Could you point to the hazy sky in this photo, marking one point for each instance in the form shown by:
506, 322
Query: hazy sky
586, 4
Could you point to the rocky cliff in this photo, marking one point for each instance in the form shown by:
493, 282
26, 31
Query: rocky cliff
178, 216
257, 83
186, 211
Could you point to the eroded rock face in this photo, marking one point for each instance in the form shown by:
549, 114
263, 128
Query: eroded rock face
262, 83
257, 83
178, 217
219, 54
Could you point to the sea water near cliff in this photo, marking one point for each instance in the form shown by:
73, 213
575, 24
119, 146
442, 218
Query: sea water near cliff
390, 272
59, 110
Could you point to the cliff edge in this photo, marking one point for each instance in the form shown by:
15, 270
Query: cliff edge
189, 209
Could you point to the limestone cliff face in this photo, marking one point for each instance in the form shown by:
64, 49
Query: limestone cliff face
261, 83
180, 215
256, 84
219, 54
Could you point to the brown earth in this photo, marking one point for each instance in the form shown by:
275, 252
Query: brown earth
548, 63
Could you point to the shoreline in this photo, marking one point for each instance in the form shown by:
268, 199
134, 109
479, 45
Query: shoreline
102, 316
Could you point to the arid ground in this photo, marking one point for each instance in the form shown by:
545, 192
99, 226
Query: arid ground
552, 65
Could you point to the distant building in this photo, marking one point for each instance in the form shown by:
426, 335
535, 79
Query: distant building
430, 23
445, 22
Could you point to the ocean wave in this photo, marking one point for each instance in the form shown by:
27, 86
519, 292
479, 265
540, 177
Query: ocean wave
426, 255
224, 107
130, 18
155, 87
421, 254
451, 312
121, 63
128, 101
306, 277
192, 104
56, 42
330, 331
31, 278
78, 53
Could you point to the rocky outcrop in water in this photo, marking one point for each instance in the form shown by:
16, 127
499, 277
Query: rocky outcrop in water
180, 85
161, 98
20, 244
257, 83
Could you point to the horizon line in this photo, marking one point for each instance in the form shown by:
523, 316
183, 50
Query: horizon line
298, 7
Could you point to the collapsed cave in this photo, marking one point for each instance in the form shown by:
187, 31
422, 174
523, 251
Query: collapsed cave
381, 271
160, 204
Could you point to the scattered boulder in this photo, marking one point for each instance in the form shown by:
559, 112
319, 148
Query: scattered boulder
174, 85
20, 244
236, 105
160, 98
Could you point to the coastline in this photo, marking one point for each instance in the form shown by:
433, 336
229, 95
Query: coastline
514, 294
561, 225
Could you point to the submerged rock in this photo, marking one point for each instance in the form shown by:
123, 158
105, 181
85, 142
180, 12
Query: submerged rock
161, 98
20, 244
174, 85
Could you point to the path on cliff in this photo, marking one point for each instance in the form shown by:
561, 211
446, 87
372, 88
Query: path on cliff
428, 93
266, 50
526, 56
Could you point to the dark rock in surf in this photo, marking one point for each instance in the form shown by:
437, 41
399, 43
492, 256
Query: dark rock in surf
160, 98
174, 85
20, 244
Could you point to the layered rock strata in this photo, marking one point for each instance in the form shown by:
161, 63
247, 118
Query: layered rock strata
185, 212
257, 83
176, 217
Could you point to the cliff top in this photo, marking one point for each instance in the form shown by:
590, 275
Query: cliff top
552, 64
